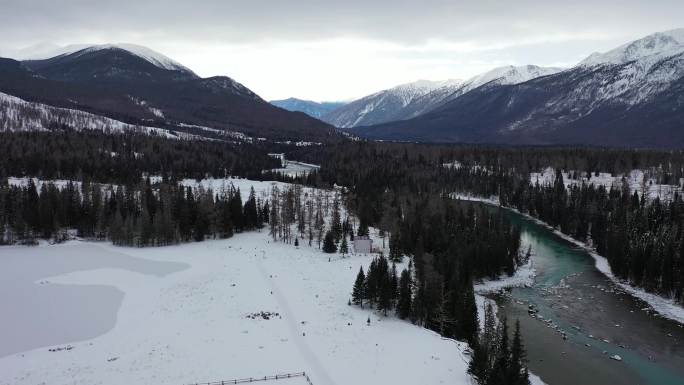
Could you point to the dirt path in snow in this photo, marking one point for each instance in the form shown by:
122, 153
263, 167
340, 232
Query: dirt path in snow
319, 371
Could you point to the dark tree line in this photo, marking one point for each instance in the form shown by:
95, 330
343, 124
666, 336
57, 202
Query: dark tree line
450, 245
137, 215
126, 158
496, 360
643, 240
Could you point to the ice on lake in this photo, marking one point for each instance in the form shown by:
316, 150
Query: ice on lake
40, 311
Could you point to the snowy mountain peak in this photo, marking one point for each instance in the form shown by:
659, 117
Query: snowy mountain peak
145, 53
47, 51
509, 75
409, 91
655, 46
421, 87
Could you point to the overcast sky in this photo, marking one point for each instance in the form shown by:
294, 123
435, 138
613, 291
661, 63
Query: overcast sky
337, 50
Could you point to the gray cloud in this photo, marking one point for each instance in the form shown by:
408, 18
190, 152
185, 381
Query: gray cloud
25, 22
340, 49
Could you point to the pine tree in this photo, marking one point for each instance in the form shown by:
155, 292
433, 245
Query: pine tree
344, 248
236, 209
518, 374
394, 282
478, 366
370, 291
468, 322
363, 228
336, 225
500, 370
359, 288
250, 215
329, 245
404, 301
384, 294
395, 252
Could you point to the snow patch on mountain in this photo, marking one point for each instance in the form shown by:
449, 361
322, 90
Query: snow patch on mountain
654, 47
18, 115
145, 53
508, 75
47, 51
383, 106
143, 103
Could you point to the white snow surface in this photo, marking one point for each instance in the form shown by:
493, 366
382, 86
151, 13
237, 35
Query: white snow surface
507, 75
653, 47
192, 325
641, 181
523, 276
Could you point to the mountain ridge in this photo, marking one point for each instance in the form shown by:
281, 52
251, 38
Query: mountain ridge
140, 88
629, 96
309, 107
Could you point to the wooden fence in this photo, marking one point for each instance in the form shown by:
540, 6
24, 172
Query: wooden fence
258, 379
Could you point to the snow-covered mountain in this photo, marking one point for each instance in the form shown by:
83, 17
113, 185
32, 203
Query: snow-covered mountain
500, 76
414, 99
17, 115
309, 107
383, 106
47, 51
632, 95
140, 86
507, 75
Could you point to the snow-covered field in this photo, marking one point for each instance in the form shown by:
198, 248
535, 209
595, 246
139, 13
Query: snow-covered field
192, 325
294, 169
638, 180
262, 189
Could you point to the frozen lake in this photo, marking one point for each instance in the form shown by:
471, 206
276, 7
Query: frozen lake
39, 311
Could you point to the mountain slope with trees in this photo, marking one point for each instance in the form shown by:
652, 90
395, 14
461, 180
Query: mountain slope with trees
123, 85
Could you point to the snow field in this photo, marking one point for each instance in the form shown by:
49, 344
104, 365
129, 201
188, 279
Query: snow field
191, 326
638, 180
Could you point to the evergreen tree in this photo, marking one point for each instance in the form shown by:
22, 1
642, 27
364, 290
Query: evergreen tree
395, 254
344, 248
336, 225
363, 228
250, 214
329, 245
501, 369
359, 286
404, 301
518, 374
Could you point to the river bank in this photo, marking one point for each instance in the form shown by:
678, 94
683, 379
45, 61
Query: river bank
577, 324
661, 305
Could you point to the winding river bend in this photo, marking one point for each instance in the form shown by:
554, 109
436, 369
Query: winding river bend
610, 336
